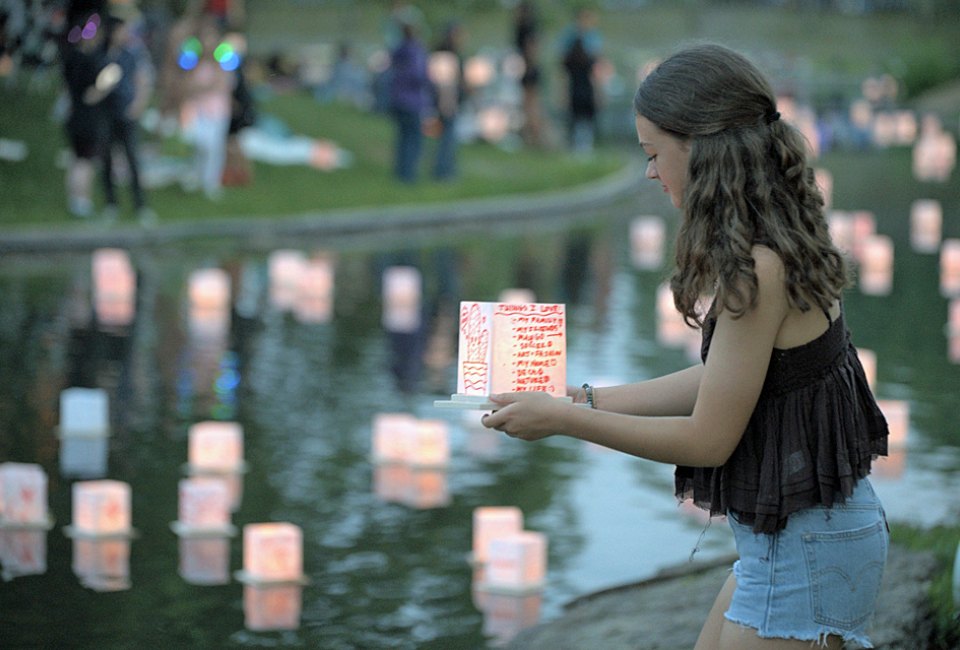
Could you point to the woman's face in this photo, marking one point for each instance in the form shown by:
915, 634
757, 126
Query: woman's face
667, 158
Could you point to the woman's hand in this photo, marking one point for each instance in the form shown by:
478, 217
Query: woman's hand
529, 415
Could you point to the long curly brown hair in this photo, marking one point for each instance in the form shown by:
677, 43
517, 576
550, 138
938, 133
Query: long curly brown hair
748, 183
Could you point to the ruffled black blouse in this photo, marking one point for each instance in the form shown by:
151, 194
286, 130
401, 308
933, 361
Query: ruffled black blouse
813, 434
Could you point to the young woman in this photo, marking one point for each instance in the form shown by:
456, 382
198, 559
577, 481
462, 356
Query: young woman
777, 427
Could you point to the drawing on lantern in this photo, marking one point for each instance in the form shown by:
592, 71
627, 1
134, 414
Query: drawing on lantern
474, 331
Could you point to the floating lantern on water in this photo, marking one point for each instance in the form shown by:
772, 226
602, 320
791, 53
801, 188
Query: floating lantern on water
950, 268
204, 505
114, 287
508, 347
272, 554
864, 227
84, 432
402, 291
906, 128
491, 522
423, 488
101, 509
897, 414
935, 152
884, 129
516, 563
215, 447
102, 564
876, 265
926, 223
209, 292
672, 330
205, 560
23, 552
840, 225
647, 237
23, 496
393, 435
275, 607
868, 359
953, 316
430, 445
314, 302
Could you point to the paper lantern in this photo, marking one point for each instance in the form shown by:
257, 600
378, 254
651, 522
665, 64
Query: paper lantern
23, 552
926, 223
517, 295
285, 268
864, 225
101, 508
209, 295
517, 563
906, 127
897, 415
431, 444
114, 287
492, 522
272, 552
508, 347
102, 564
840, 225
274, 607
868, 359
314, 301
672, 330
402, 291
876, 265
205, 560
203, 505
84, 412
647, 238
83, 457
393, 435
215, 446
934, 155
950, 268
23, 495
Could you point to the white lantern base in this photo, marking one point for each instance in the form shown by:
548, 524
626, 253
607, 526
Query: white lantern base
42, 524
189, 469
248, 579
510, 590
186, 530
77, 533
480, 402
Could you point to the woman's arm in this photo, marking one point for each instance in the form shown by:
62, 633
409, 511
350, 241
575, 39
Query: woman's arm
673, 394
726, 397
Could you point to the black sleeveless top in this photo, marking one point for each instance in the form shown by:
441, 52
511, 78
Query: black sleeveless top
813, 434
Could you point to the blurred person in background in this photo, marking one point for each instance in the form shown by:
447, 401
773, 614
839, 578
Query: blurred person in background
409, 101
124, 106
526, 38
449, 95
581, 46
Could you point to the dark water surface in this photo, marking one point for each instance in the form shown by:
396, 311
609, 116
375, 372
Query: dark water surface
387, 571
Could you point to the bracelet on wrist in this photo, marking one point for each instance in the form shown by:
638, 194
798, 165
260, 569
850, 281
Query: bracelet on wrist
588, 391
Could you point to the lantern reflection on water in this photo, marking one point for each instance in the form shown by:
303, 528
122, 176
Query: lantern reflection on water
114, 287
272, 607
647, 238
23, 552
314, 301
205, 560
84, 432
402, 289
506, 615
102, 564
209, 293
285, 268
23, 496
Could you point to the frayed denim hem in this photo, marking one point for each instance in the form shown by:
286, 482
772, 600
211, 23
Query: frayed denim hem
819, 639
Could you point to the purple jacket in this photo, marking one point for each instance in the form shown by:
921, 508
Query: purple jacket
409, 85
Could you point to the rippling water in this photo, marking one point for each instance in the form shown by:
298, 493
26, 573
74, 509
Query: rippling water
386, 551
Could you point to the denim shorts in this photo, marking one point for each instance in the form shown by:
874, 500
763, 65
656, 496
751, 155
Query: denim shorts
818, 576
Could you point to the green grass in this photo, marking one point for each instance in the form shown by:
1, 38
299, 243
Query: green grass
32, 192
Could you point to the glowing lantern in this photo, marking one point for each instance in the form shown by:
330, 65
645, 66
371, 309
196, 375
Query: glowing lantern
23, 552
314, 302
906, 128
273, 607
507, 347
205, 560
285, 268
402, 290
934, 154
884, 129
864, 227
390, 481
272, 552
101, 508
102, 564
393, 435
517, 295
672, 330
431, 444
216, 447
517, 563
926, 223
897, 414
203, 505
868, 359
950, 268
841, 229
209, 291
647, 237
492, 522
953, 318
478, 71
876, 265
114, 287
84, 412
23, 495
424, 488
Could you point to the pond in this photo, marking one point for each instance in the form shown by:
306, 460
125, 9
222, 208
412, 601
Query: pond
385, 548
